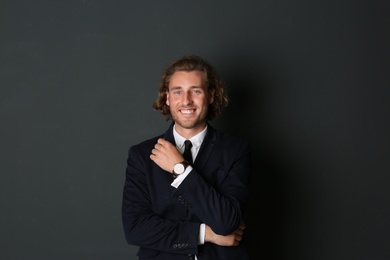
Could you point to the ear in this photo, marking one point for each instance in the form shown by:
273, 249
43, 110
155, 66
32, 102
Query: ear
211, 96
167, 98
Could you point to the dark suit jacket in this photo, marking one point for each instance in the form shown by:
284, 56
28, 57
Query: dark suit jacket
164, 221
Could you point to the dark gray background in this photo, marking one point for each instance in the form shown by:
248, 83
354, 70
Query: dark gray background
309, 87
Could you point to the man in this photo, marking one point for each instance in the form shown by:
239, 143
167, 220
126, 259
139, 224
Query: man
177, 207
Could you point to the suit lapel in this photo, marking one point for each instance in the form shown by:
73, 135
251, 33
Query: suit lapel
205, 149
168, 135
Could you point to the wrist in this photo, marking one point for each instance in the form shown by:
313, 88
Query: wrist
179, 168
208, 234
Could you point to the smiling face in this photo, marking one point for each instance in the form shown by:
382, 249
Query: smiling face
188, 99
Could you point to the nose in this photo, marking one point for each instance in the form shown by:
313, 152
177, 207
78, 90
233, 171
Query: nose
187, 98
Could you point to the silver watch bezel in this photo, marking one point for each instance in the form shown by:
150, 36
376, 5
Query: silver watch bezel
179, 168
183, 165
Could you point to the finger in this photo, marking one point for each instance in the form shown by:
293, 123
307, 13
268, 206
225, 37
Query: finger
239, 232
161, 141
242, 223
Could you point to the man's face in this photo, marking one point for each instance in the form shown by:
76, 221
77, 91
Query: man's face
189, 99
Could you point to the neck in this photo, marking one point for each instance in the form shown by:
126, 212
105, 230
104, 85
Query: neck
189, 132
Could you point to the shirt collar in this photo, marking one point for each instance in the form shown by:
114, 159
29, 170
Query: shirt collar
195, 140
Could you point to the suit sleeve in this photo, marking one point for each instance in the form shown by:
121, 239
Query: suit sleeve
142, 226
220, 205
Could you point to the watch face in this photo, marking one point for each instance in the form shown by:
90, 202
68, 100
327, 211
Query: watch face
178, 168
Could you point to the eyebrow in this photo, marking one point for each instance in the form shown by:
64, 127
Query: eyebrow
179, 87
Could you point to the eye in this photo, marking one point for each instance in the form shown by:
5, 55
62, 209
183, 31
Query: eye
197, 91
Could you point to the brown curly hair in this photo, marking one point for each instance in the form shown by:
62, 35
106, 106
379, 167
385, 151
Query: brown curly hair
213, 81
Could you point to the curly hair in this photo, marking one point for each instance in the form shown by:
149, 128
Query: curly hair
213, 81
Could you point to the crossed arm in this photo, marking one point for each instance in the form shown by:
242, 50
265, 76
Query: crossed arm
165, 155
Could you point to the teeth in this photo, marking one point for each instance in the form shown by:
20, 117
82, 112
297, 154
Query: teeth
187, 111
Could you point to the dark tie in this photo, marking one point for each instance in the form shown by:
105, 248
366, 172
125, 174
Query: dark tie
187, 151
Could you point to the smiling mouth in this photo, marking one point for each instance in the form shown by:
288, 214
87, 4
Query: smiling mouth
187, 111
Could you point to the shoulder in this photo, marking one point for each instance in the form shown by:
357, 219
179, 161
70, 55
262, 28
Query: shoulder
224, 139
221, 136
145, 146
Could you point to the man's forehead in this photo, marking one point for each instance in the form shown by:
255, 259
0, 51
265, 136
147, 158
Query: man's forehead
187, 79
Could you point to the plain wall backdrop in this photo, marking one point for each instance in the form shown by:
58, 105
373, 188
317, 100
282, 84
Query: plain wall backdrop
309, 86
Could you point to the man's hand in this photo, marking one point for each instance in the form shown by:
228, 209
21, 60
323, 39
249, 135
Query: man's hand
232, 239
165, 155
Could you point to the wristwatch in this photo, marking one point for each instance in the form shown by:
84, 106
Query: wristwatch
179, 168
